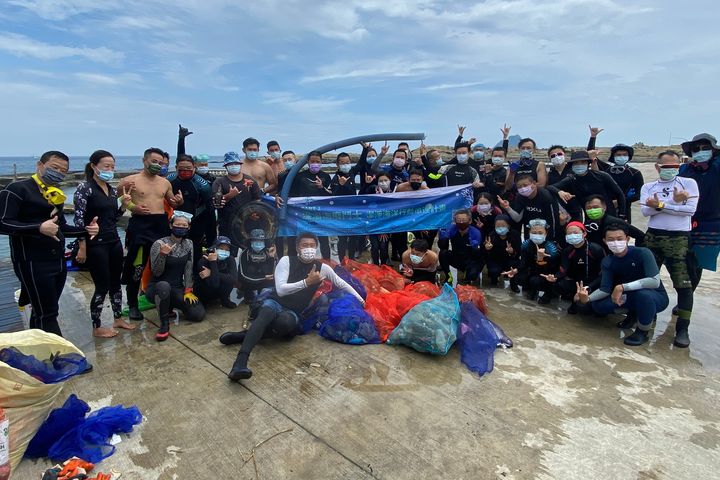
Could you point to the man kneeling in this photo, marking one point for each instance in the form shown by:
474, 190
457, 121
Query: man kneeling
631, 280
297, 278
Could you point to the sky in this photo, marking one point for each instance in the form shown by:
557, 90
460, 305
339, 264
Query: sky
78, 75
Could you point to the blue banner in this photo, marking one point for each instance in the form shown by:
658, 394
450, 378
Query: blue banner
375, 214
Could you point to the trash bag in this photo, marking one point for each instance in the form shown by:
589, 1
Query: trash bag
347, 322
468, 293
383, 312
89, 439
316, 312
477, 340
25, 399
431, 326
389, 279
57, 368
60, 420
405, 301
503, 339
341, 272
426, 288
363, 272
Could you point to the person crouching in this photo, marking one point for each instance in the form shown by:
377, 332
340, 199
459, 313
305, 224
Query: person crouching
217, 273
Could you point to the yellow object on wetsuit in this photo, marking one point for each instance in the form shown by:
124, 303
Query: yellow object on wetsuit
190, 296
53, 195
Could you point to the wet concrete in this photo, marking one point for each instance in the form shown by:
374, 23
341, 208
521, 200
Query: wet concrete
568, 401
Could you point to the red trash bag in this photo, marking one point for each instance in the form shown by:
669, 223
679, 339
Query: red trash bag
365, 273
381, 307
389, 279
468, 293
426, 288
405, 301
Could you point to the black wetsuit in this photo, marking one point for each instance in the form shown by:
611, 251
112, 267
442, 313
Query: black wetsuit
254, 268
579, 265
38, 260
219, 285
347, 244
249, 191
498, 259
197, 201
305, 181
596, 231
545, 206
593, 182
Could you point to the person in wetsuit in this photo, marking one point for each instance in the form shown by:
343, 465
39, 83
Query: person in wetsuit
217, 274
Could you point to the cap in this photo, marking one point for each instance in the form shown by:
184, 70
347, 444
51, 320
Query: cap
257, 234
576, 224
222, 240
232, 157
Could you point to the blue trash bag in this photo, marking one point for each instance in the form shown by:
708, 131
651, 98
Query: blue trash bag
477, 340
352, 281
348, 322
59, 422
430, 326
503, 339
57, 368
89, 439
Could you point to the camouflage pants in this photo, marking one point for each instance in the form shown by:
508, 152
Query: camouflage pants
673, 251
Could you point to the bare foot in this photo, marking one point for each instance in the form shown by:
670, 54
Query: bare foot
104, 332
120, 323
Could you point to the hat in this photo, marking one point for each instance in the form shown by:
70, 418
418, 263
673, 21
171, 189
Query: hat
478, 145
503, 217
231, 157
538, 222
201, 158
700, 137
576, 224
621, 146
222, 240
257, 234
579, 156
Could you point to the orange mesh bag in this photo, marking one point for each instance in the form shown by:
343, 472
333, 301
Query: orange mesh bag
426, 288
468, 293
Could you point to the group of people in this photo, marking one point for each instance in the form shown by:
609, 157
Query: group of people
557, 231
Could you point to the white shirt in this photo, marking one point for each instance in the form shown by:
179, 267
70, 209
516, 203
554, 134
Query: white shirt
673, 216
283, 288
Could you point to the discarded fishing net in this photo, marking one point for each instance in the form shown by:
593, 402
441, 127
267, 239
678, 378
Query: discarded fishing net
347, 322
57, 368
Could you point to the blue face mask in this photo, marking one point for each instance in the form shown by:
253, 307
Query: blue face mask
203, 170
371, 159
502, 230
579, 168
702, 156
668, 174
257, 245
621, 160
537, 238
415, 259
289, 165
462, 158
223, 254
233, 169
479, 155
574, 238
252, 155
526, 154
106, 175
345, 168
497, 161
163, 170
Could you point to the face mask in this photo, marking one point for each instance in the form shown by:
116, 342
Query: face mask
484, 207
275, 155
180, 232
257, 245
314, 167
574, 238
580, 169
106, 175
525, 191
594, 213
399, 162
439, 161
384, 186
252, 155
415, 259
153, 168
497, 161
526, 154
621, 160
307, 254
203, 170
478, 155
233, 169
52, 177
345, 168
618, 246
289, 165
537, 238
223, 254
371, 159
462, 158
462, 226
415, 185
557, 161
702, 156
185, 174
163, 171
668, 174
502, 230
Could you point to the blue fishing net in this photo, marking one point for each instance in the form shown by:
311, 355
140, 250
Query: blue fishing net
477, 340
89, 439
430, 326
352, 281
503, 339
60, 421
55, 369
348, 322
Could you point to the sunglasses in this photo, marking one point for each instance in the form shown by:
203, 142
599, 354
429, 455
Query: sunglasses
700, 148
553, 155
669, 165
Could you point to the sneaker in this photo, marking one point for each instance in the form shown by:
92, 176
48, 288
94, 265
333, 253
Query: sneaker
232, 338
135, 314
637, 338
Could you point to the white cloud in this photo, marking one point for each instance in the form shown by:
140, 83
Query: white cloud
452, 86
63, 9
22, 46
108, 80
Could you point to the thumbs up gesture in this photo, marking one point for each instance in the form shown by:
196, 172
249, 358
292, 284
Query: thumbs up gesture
313, 277
680, 196
92, 228
50, 227
653, 202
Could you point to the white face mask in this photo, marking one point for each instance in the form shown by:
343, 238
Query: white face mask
484, 207
307, 254
617, 246
557, 161
497, 161
399, 162
345, 168
384, 186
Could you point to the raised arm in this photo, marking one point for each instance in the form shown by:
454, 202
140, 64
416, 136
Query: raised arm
338, 282
182, 133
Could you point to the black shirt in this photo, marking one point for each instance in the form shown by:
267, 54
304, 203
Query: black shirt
306, 186
596, 230
593, 182
544, 205
249, 191
582, 264
91, 201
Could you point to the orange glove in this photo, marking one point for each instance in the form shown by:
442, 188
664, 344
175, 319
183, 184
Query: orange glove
102, 476
73, 467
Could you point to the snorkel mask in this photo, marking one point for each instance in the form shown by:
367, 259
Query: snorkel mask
53, 195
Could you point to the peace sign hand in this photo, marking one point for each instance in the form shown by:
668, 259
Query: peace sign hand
582, 295
488, 244
126, 196
384, 149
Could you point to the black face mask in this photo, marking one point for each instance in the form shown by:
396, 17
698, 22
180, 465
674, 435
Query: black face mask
462, 226
180, 232
416, 185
